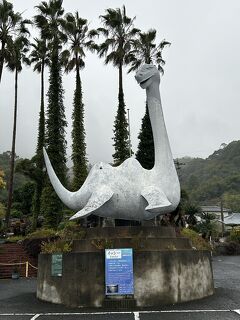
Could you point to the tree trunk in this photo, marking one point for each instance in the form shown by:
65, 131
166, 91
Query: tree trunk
39, 161
1, 60
120, 80
12, 160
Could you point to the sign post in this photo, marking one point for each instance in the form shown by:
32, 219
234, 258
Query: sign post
119, 272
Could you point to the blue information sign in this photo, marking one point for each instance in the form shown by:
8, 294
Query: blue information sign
119, 271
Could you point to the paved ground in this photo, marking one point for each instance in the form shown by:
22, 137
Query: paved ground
18, 301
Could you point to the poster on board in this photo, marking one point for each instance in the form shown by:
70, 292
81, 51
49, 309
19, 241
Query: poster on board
119, 272
56, 265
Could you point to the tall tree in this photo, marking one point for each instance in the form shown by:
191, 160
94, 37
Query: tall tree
119, 32
40, 58
145, 152
17, 57
11, 24
80, 38
49, 21
146, 51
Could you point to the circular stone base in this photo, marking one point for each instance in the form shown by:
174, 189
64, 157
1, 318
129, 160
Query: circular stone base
161, 276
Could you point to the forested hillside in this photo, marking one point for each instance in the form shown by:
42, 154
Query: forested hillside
23, 187
207, 180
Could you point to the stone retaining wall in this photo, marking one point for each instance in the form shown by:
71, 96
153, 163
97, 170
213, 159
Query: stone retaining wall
160, 277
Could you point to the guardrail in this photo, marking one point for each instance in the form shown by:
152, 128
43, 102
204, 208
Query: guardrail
27, 264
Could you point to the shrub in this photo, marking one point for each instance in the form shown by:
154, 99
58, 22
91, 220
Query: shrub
233, 247
103, 243
14, 239
42, 233
197, 241
235, 234
15, 213
71, 230
56, 246
33, 246
32, 243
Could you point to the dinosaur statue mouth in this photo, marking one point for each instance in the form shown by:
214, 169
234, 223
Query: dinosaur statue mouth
144, 81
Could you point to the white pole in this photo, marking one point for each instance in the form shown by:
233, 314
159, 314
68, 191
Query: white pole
129, 135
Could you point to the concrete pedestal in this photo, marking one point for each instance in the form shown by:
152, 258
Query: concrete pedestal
164, 273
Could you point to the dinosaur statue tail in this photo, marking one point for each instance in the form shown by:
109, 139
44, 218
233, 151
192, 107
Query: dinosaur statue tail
68, 198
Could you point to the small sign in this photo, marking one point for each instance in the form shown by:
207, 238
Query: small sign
57, 265
119, 271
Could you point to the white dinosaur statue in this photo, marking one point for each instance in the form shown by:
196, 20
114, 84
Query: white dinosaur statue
129, 191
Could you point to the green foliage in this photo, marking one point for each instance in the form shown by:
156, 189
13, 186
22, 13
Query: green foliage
217, 176
120, 131
191, 209
197, 241
2, 182
80, 39
49, 21
41, 233
146, 51
51, 207
19, 178
145, 152
208, 226
15, 213
232, 201
78, 138
23, 198
55, 123
235, 234
14, 239
119, 33
103, 243
2, 211
71, 230
56, 246
39, 57
17, 57
11, 24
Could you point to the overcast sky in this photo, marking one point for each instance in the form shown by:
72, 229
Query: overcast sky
200, 88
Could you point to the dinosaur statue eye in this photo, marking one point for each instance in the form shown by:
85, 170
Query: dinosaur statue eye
100, 168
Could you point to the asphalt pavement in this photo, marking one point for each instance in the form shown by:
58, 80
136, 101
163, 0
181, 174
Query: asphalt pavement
18, 301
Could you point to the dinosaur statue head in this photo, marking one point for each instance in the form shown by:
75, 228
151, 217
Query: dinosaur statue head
146, 75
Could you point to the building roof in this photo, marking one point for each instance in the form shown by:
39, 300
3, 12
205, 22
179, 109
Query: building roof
233, 219
214, 209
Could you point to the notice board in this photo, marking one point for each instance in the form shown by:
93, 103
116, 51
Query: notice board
119, 272
57, 265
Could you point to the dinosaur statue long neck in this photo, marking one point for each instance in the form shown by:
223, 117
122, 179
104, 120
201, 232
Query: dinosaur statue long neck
163, 154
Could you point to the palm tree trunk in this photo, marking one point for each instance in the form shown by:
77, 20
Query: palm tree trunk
39, 161
120, 80
1, 60
12, 160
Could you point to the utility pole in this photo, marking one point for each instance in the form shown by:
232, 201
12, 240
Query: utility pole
129, 135
222, 217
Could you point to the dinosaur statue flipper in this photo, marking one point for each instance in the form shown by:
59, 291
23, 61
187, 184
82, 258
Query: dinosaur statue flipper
97, 199
156, 199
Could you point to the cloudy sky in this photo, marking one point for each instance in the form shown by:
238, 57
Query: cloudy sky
200, 89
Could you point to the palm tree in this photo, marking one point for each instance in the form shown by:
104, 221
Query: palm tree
40, 58
80, 38
146, 51
49, 20
17, 57
11, 24
119, 33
